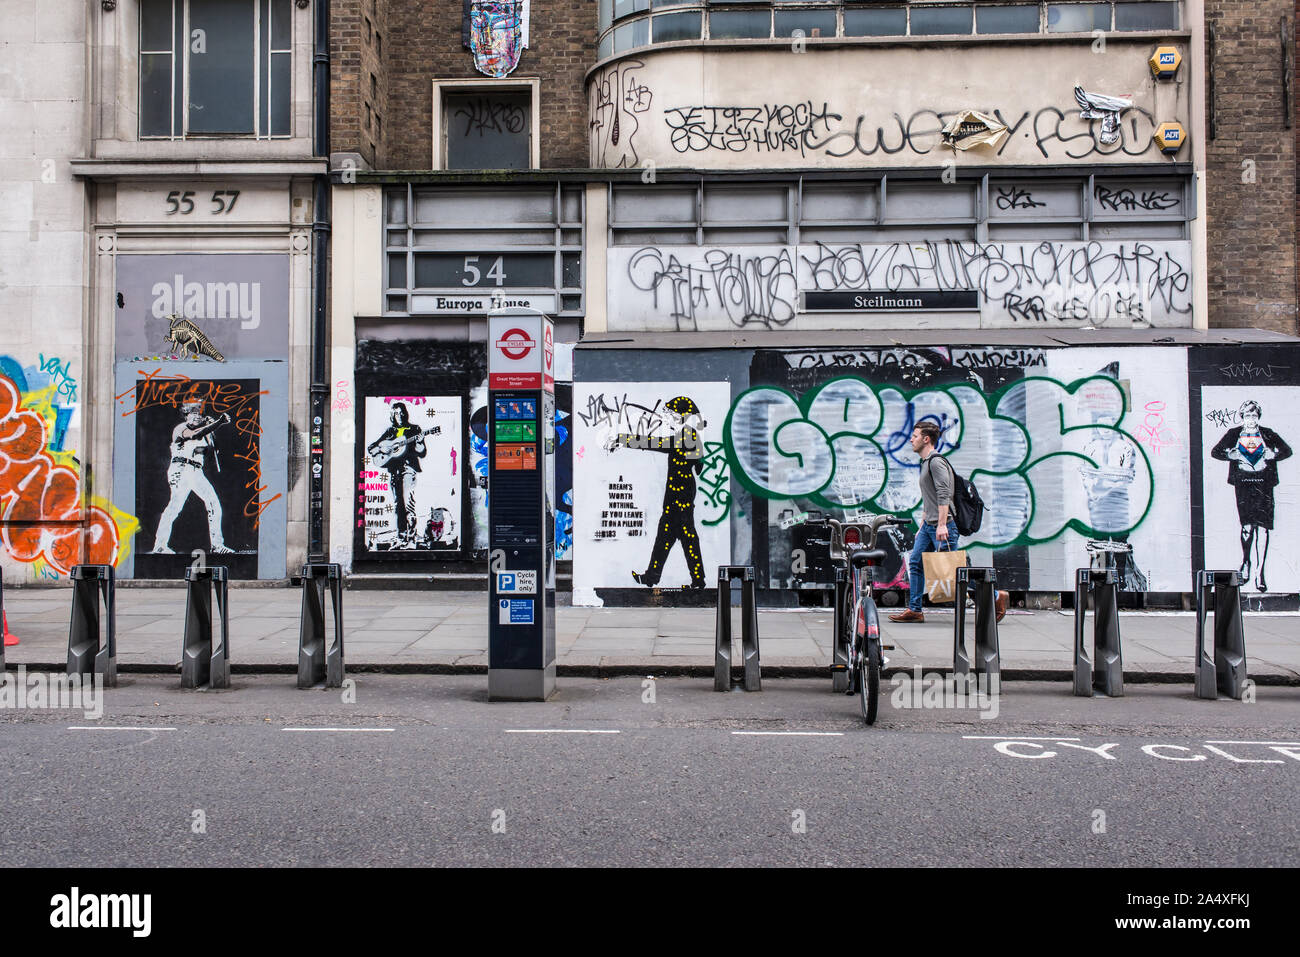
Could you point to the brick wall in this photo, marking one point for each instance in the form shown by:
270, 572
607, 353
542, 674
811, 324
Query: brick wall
421, 42
359, 41
1252, 226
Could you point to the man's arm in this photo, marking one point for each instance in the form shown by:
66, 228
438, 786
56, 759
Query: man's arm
1280, 449
203, 430
1229, 441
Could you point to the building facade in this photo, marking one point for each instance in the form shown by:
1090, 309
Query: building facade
157, 256
1063, 230
820, 223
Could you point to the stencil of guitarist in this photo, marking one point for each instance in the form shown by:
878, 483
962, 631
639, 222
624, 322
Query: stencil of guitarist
685, 452
399, 450
191, 440
1252, 453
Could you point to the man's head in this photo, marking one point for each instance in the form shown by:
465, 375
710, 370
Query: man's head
680, 410
399, 414
925, 437
1250, 413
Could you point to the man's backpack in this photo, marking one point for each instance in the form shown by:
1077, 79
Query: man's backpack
967, 506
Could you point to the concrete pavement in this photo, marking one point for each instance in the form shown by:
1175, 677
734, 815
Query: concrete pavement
443, 630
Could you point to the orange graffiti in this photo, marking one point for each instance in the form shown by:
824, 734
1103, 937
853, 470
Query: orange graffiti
35, 489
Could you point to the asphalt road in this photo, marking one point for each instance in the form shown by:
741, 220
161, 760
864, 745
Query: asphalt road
423, 770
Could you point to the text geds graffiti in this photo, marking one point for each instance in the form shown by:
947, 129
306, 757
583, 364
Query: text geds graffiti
1053, 455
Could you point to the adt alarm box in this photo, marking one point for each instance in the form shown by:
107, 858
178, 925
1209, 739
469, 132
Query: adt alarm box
521, 507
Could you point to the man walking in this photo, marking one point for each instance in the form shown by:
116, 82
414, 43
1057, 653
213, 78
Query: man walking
938, 528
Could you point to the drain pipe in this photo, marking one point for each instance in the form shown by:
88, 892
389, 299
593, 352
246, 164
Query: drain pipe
320, 232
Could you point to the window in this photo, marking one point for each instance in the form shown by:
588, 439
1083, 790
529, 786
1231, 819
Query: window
1016, 19
215, 68
1146, 16
488, 129
453, 242
677, 26
1077, 17
740, 24
937, 21
889, 209
875, 22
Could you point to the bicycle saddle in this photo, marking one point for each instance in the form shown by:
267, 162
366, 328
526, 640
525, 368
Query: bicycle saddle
861, 557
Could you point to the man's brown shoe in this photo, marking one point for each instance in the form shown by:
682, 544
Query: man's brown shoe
908, 615
1003, 600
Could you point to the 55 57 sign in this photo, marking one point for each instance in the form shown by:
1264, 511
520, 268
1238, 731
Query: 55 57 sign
174, 203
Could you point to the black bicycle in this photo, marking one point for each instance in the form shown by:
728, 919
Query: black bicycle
858, 655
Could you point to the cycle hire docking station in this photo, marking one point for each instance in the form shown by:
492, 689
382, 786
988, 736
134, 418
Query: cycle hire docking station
1221, 666
1103, 673
205, 654
723, 679
87, 654
982, 583
521, 506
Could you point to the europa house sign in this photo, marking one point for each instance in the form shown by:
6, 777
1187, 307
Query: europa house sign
906, 300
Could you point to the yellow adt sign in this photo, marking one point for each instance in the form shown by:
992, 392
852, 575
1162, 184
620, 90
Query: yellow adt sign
1164, 63
1170, 137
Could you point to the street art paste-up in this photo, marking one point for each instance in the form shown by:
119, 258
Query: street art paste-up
188, 340
193, 448
1098, 106
620, 496
407, 496
198, 468
40, 480
498, 35
1252, 452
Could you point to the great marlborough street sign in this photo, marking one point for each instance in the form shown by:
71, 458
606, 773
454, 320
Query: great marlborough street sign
907, 300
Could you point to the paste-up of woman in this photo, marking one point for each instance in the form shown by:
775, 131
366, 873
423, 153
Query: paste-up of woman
1252, 453
685, 451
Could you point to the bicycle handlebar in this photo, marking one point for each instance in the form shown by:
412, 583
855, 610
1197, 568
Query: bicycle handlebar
837, 531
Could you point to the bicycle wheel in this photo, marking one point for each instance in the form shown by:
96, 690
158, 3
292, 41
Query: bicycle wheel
869, 684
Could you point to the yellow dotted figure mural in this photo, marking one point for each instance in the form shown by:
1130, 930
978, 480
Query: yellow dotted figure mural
685, 460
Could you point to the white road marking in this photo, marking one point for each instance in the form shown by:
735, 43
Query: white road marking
1285, 744
560, 731
106, 727
1011, 737
803, 734
336, 729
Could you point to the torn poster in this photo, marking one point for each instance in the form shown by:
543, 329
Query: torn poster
498, 33
972, 128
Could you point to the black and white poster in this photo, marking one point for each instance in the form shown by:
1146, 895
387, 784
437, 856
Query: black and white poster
1252, 483
409, 489
198, 481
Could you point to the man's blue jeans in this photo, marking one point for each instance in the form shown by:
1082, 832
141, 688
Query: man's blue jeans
927, 540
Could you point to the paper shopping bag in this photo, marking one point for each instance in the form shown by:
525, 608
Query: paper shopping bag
941, 574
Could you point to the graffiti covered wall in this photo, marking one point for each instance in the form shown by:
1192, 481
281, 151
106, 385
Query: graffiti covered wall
749, 109
1066, 445
47, 528
1027, 285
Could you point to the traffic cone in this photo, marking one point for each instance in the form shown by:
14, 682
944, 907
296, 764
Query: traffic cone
10, 638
